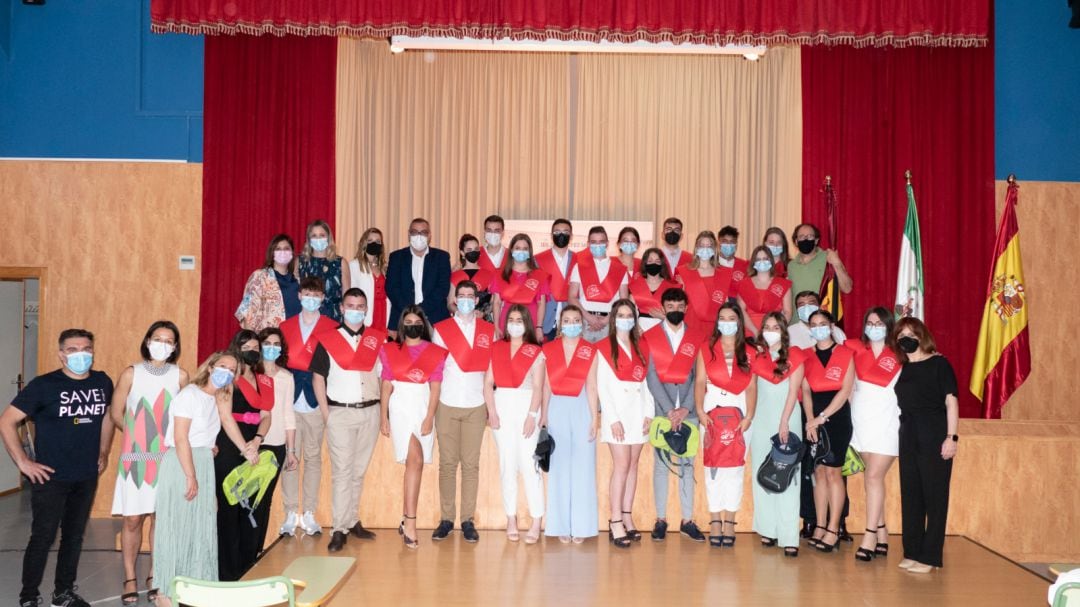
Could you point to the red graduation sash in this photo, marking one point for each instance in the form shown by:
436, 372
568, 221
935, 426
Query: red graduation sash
592, 288
361, 359
684, 258
706, 299
523, 292
560, 287
567, 379
631, 367
482, 278
764, 366
403, 368
769, 299
647, 300
717, 370
630, 272
261, 396
300, 351
879, 371
485, 262
673, 367
510, 371
830, 377
738, 273
468, 358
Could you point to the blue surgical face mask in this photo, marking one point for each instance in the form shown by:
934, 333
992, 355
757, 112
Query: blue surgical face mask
79, 362
466, 305
319, 244
727, 249
311, 304
520, 256
571, 329
875, 333
727, 327
805, 311
221, 377
624, 324
355, 317
762, 265
775, 249
271, 352
705, 253
820, 333
628, 248
598, 250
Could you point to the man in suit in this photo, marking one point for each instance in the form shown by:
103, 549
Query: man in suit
418, 274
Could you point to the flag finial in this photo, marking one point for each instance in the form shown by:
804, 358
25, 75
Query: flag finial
907, 176
1012, 179
828, 180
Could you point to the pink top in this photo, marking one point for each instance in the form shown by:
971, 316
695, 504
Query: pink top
520, 277
414, 351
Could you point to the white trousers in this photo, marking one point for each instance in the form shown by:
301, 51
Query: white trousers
516, 451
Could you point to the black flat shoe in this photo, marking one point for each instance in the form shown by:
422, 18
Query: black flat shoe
622, 541
691, 531
469, 532
442, 531
361, 533
716, 541
659, 530
130, 598
633, 534
337, 542
823, 546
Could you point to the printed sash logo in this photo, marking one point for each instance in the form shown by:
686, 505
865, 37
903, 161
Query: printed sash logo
483, 341
592, 292
888, 363
833, 374
415, 375
532, 284
687, 350
370, 342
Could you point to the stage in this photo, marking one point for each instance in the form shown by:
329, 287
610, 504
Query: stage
675, 573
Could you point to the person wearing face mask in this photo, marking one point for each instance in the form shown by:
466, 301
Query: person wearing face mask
521, 281
572, 418
418, 274
674, 256
493, 256
513, 391
764, 292
807, 269
629, 242
775, 240
72, 435
247, 413
140, 408
281, 436
926, 393
707, 285
648, 286
367, 272
346, 382
412, 379
806, 303
321, 260
468, 268
875, 420
558, 262
626, 411
596, 282
826, 386
186, 542
271, 292
461, 414
728, 239
724, 384
673, 347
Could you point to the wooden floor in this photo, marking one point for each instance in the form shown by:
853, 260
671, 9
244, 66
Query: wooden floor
676, 573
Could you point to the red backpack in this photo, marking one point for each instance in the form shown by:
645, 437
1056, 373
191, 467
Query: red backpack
725, 446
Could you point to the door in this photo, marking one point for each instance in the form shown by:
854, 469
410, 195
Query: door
12, 306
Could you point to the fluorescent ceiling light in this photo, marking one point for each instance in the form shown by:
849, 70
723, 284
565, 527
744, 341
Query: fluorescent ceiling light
432, 43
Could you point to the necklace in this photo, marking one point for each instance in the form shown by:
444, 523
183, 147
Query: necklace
155, 370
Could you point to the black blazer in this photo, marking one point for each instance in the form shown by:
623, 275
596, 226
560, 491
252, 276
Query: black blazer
436, 287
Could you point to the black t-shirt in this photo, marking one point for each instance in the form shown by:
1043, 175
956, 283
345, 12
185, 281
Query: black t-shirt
922, 386
67, 415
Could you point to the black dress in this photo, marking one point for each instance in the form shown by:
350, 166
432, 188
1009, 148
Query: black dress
839, 425
238, 540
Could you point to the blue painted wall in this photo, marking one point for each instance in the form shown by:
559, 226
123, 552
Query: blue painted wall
87, 79
1037, 91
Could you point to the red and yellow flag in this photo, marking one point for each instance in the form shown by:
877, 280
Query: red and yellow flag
1003, 355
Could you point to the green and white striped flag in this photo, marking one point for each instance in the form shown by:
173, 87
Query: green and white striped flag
909, 276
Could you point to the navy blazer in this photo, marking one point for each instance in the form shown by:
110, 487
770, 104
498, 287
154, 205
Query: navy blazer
436, 287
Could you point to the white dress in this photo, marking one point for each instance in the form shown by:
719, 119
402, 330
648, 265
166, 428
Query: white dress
629, 402
146, 420
875, 418
408, 406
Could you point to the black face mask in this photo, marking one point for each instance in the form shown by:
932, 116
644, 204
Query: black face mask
561, 239
653, 269
374, 249
414, 331
908, 344
472, 256
675, 317
806, 246
672, 238
250, 357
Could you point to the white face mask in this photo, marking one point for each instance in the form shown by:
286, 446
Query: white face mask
160, 351
493, 238
771, 337
418, 242
515, 329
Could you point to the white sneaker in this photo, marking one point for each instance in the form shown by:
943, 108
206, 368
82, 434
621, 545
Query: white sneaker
289, 526
308, 524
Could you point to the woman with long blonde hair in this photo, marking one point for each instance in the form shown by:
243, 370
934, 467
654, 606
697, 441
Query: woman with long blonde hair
367, 272
320, 259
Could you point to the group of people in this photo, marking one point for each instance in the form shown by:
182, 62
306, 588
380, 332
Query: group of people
572, 346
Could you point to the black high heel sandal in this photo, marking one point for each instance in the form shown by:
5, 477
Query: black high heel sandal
882, 548
822, 546
728, 540
130, 598
716, 541
623, 541
151, 593
813, 541
409, 542
768, 542
865, 554
633, 534
791, 551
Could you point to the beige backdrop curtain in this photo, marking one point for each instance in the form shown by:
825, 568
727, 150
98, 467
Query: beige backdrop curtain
455, 136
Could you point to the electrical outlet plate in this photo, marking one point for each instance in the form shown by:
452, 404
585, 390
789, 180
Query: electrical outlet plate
187, 262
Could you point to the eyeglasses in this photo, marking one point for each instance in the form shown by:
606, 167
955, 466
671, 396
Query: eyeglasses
419, 232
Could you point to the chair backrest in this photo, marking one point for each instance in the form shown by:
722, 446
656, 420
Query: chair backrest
263, 592
1067, 595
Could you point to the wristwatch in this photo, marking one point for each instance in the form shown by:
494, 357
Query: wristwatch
955, 437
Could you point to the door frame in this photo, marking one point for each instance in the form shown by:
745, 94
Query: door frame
41, 274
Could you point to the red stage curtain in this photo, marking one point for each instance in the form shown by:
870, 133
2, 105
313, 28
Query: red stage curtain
856, 22
268, 160
870, 114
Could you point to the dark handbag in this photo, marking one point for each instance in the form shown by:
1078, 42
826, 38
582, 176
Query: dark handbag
821, 449
782, 464
545, 446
